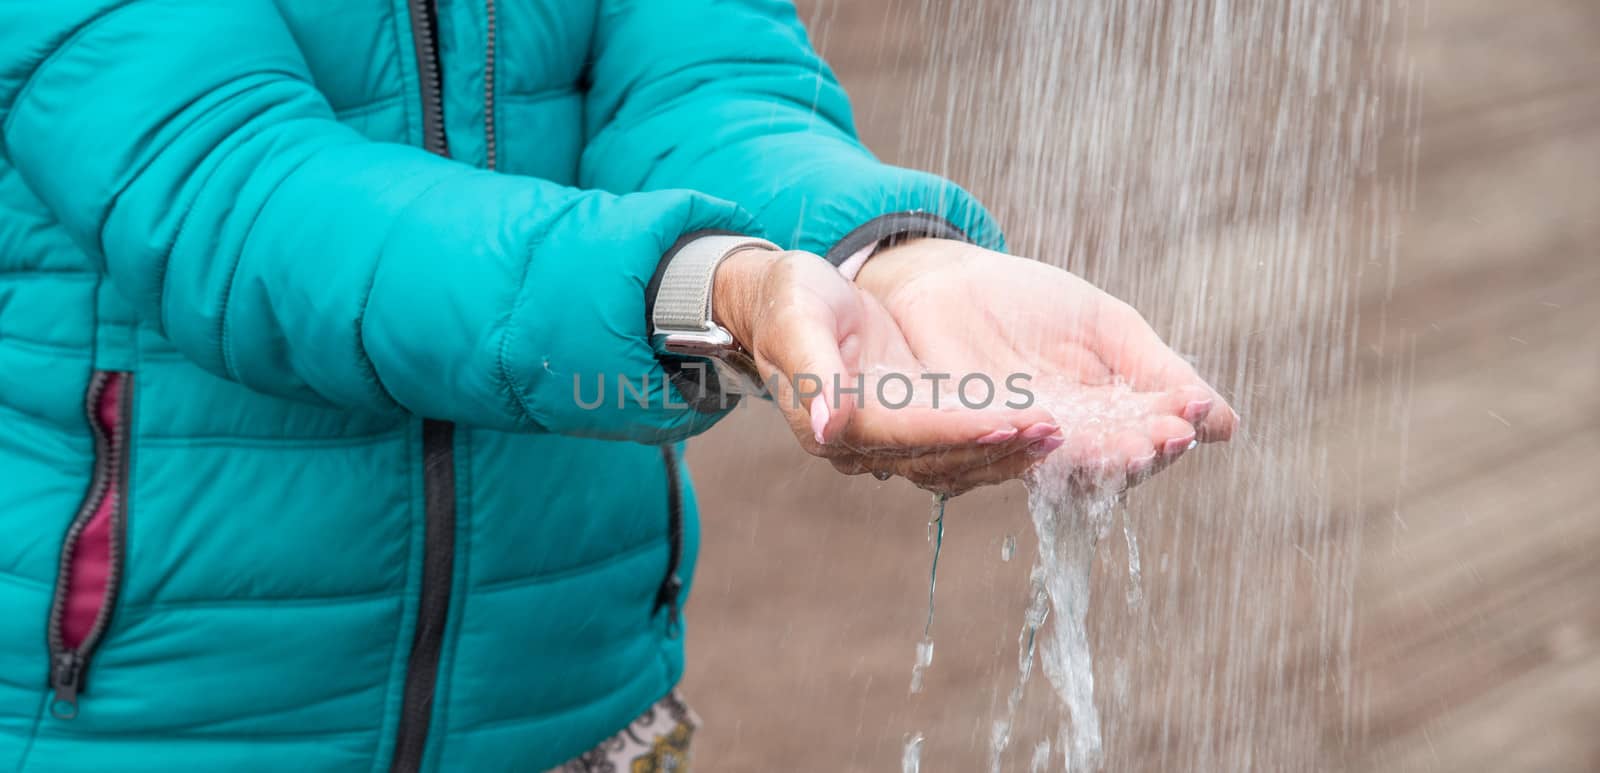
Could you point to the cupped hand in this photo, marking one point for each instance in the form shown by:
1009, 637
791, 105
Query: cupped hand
1128, 405
815, 337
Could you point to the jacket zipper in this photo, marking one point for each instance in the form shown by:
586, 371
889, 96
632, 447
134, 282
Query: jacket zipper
672, 585
488, 86
107, 483
438, 466
438, 438
425, 37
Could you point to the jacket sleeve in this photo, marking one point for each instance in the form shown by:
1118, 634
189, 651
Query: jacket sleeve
728, 97
182, 144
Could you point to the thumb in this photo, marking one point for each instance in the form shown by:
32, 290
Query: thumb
803, 361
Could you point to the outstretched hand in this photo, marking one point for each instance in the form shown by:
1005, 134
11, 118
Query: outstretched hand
1128, 405
815, 337
1102, 387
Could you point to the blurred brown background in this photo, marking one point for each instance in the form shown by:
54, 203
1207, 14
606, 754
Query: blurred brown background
1395, 567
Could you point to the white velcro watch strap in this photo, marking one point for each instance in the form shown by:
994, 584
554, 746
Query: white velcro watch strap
683, 299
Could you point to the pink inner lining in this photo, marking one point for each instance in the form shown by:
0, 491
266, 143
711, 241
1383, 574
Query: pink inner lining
90, 570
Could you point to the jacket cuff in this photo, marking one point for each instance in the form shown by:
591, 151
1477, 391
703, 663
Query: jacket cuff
849, 253
892, 229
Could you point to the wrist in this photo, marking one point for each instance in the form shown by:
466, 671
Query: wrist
736, 291
894, 265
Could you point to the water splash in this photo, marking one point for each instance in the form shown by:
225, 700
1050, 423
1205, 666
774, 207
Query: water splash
1008, 548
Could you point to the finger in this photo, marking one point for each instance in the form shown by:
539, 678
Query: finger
917, 429
933, 465
1170, 436
1131, 348
1167, 453
1010, 467
985, 464
1127, 343
1140, 453
1219, 424
851, 464
960, 448
1200, 405
807, 369
1191, 401
965, 437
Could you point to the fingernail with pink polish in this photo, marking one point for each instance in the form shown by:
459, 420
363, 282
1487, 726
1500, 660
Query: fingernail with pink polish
1141, 465
1043, 429
1044, 447
1196, 411
1177, 445
819, 418
998, 436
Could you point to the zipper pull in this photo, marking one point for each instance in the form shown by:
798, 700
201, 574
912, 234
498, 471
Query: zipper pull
66, 678
668, 597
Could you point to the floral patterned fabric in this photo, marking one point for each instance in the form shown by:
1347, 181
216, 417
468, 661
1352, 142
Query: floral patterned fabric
656, 742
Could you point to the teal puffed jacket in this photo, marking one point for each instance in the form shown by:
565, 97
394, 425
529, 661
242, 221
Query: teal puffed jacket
292, 297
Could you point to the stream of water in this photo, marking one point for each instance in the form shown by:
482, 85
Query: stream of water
1072, 499
1069, 521
1236, 170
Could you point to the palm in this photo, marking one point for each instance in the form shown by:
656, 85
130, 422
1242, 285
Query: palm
820, 342
1029, 318
1122, 397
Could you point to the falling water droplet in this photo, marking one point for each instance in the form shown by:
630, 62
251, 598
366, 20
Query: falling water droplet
1041, 757
1008, 548
1038, 612
936, 535
925, 647
911, 758
924, 659
1135, 587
